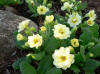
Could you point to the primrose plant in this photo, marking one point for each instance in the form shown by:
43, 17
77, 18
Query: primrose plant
39, 7
60, 48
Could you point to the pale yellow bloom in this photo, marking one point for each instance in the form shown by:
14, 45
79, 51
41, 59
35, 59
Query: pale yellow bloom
90, 22
92, 14
74, 19
62, 58
42, 10
66, 5
49, 19
43, 28
75, 42
23, 25
20, 37
35, 41
61, 31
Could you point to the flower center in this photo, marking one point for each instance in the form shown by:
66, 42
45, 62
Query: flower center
89, 22
41, 9
61, 31
74, 20
91, 14
35, 41
63, 58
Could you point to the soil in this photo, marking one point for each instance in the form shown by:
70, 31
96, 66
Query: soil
6, 65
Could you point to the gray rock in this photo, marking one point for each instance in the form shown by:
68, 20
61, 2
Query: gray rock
8, 25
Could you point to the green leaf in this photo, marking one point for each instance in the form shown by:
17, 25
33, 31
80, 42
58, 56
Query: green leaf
16, 64
78, 58
96, 50
89, 31
45, 64
95, 30
52, 44
26, 68
37, 56
91, 65
82, 6
82, 52
75, 69
54, 71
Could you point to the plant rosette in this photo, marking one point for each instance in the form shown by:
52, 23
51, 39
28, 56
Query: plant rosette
71, 45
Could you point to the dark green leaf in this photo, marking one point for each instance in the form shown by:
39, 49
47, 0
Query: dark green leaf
45, 64
54, 71
52, 44
26, 68
96, 50
16, 64
91, 65
75, 69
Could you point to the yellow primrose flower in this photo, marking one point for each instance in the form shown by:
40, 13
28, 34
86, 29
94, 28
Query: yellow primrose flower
43, 28
61, 31
23, 25
62, 58
90, 22
75, 42
66, 5
74, 19
42, 10
35, 41
49, 19
20, 37
92, 14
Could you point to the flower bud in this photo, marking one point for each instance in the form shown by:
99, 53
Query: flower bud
49, 5
43, 28
91, 44
33, 29
75, 42
91, 54
20, 37
26, 44
71, 49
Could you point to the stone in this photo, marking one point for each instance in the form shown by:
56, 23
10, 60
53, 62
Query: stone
8, 25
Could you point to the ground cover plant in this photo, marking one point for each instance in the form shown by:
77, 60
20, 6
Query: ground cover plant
10, 2
64, 44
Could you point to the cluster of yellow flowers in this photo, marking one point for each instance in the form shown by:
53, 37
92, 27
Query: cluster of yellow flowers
92, 17
63, 57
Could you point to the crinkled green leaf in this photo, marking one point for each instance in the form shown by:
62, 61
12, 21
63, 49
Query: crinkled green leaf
96, 50
45, 64
52, 44
26, 68
89, 34
75, 69
16, 64
54, 71
91, 65
82, 6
